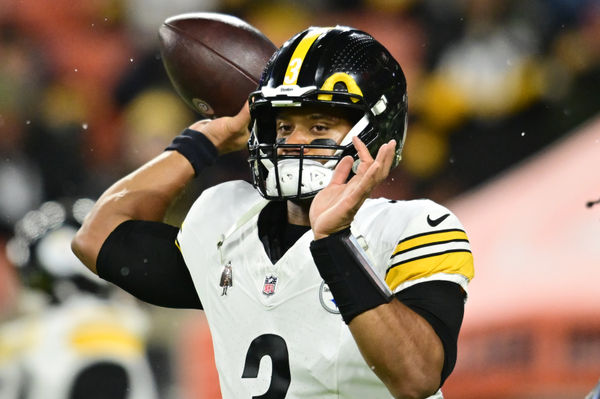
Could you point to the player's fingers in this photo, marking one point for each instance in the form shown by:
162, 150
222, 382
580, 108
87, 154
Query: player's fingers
363, 152
385, 156
377, 170
239, 123
356, 194
245, 109
371, 177
361, 185
364, 156
243, 117
342, 170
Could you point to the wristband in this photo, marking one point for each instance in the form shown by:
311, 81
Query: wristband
196, 147
344, 266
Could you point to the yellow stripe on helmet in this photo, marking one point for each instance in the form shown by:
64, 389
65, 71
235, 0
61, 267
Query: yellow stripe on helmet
340, 77
293, 69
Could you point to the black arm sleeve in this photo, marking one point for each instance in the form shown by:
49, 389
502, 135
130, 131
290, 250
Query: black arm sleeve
142, 258
442, 304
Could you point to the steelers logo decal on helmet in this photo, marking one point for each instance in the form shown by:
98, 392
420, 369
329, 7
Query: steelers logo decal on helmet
339, 68
338, 77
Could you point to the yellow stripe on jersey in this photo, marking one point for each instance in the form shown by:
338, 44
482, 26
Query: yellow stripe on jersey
293, 69
449, 262
432, 238
105, 338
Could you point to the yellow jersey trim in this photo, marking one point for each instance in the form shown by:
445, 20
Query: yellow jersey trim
459, 261
436, 237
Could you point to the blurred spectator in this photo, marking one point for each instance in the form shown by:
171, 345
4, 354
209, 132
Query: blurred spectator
149, 122
145, 16
20, 179
496, 86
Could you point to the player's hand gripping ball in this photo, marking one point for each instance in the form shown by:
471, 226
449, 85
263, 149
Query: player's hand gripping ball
213, 60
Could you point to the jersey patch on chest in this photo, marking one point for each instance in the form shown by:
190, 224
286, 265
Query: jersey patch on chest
327, 300
269, 285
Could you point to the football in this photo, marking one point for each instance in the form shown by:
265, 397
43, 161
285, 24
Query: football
213, 60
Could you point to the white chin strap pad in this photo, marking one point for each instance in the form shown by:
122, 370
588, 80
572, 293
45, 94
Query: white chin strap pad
315, 177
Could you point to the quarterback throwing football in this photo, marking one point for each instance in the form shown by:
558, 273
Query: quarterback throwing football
349, 297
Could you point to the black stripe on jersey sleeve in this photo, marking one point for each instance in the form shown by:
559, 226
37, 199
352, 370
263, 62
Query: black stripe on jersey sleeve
442, 304
142, 258
429, 244
425, 256
428, 233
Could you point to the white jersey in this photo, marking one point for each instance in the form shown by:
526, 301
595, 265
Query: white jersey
276, 329
41, 354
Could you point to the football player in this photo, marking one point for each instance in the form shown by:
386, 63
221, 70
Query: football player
349, 297
73, 335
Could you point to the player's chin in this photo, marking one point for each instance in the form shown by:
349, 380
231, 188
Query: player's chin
302, 202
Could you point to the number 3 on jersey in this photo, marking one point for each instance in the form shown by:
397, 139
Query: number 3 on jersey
275, 347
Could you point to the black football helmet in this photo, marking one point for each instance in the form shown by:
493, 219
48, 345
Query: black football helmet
40, 249
338, 67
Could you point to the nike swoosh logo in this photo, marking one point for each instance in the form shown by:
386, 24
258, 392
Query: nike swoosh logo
435, 222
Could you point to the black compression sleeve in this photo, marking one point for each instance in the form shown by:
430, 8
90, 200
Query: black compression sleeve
441, 303
142, 258
345, 268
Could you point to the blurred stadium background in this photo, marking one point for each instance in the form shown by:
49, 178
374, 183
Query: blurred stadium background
504, 129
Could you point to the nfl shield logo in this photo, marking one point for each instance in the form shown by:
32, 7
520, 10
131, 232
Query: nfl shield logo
269, 286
